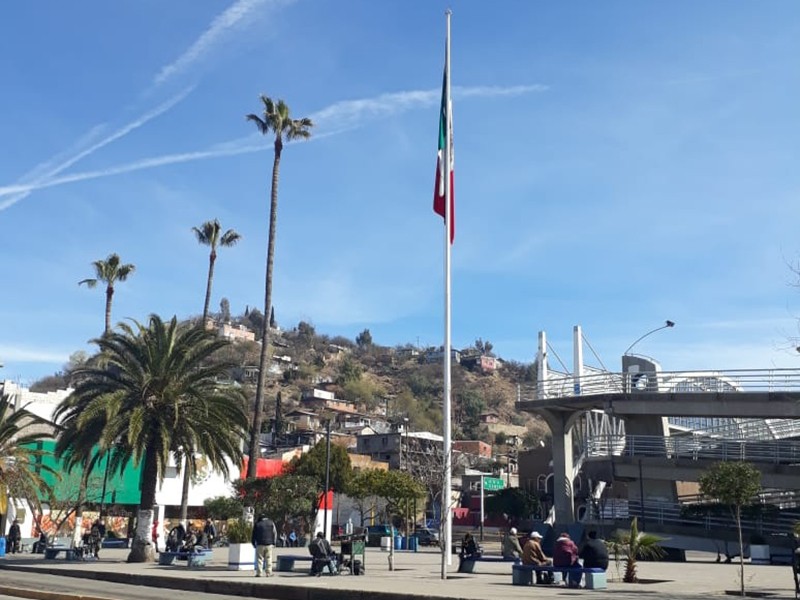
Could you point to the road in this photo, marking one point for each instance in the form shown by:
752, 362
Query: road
58, 587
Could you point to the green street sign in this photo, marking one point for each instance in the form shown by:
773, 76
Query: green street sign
492, 484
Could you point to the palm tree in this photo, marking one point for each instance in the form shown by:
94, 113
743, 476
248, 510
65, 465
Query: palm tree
208, 234
108, 271
20, 471
276, 119
157, 391
635, 545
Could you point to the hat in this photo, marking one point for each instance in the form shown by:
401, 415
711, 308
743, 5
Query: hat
513, 531
536, 535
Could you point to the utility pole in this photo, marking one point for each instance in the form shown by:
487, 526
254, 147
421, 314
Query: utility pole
327, 477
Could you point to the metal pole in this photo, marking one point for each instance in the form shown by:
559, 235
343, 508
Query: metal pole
327, 477
641, 494
482, 516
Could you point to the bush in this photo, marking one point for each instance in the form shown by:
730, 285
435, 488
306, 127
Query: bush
239, 532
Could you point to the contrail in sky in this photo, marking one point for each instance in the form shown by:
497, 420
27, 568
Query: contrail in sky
236, 14
345, 115
49, 173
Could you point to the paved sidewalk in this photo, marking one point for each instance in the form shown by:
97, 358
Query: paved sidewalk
415, 574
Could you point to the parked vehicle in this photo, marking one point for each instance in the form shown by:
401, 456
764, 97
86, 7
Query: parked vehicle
376, 532
427, 537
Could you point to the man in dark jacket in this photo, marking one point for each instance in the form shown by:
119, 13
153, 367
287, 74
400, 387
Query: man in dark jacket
323, 555
594, 553
14, 537
264, 536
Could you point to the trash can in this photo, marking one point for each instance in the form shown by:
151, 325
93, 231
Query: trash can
2, 545
413, 543
398, 542
386, 543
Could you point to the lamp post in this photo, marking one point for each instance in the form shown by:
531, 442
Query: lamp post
327, 477
667, 324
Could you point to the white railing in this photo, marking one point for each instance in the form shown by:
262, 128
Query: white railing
741, 380
696, 447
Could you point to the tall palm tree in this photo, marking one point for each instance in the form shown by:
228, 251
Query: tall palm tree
277, 120
158, 394
108, 271
208, 234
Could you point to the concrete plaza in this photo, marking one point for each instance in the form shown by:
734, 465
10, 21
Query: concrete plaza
415, 575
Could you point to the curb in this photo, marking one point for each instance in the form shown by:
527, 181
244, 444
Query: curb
210, 586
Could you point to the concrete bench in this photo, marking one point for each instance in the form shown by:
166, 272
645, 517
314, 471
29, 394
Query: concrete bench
193, 559
286, 561
523, 575
52, 553
468, 564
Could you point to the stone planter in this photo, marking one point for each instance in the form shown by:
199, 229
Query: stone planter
241, 557
759, 554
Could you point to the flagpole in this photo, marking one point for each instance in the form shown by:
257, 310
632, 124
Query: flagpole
448, 474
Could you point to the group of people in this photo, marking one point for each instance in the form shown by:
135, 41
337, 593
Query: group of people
193, 540
565, 554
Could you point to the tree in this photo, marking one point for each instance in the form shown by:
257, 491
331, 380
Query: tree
349, 371
734, 484
108, 271
634, 545
20, 466
363, 490
282, 498
364, 339
313, 462
272, 322
223, 508
276, 119
208, 234
224, 311
515, 503
157, 391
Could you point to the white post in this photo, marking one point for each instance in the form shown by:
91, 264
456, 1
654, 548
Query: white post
448, 475
577, 358
482, 515
541, 361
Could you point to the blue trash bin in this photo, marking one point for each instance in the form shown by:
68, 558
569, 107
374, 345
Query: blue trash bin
413, 543
2, 545
398, 542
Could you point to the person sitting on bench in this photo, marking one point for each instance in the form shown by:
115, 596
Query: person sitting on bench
469, 551
510, 547
565, 554
532, 554
323, 555
594, 553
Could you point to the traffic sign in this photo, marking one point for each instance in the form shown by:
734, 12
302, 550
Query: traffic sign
492, 484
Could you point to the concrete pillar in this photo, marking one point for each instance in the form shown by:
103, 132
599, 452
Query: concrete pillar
561, 425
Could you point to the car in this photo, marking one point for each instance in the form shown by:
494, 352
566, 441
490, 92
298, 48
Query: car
427, 537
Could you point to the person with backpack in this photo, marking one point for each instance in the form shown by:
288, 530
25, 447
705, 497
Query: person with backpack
323, 555
211, 533
97, 533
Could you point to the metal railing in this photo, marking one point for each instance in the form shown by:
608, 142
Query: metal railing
695, 447
663, 513
736, 380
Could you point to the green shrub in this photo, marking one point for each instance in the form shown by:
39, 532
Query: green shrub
239, 532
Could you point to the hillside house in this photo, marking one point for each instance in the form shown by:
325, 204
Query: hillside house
316, 399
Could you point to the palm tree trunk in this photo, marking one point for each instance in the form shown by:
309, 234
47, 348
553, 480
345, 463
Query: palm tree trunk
212, 257
77, 533
109, 296
255, 434
187, 476
141, 548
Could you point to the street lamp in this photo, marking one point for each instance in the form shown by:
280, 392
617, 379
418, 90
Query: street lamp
666, 325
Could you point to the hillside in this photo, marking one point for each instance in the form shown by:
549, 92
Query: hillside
394, 381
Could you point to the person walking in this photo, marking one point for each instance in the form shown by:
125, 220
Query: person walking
264, 536
211, 532
14, 537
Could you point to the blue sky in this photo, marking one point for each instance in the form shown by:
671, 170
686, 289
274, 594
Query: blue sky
617, 164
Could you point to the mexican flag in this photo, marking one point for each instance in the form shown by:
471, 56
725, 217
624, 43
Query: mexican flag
445, 135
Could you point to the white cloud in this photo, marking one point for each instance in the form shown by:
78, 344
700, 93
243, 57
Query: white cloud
35, 355
239, 13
